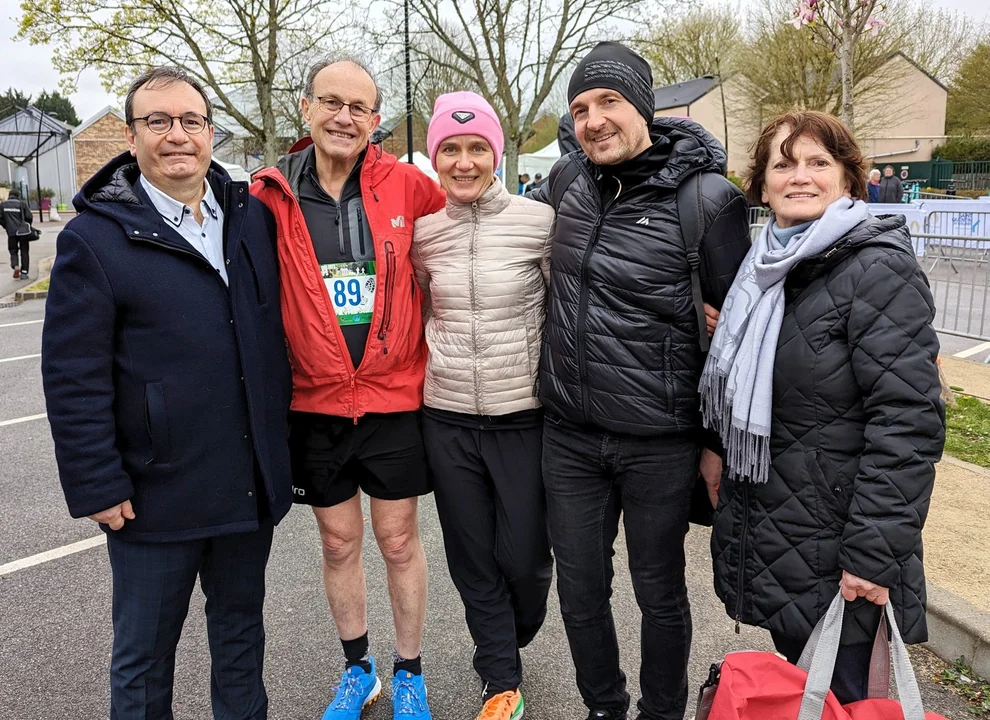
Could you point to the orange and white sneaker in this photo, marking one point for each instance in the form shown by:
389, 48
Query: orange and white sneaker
506, 705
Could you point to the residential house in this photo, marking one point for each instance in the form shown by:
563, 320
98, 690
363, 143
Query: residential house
900, 111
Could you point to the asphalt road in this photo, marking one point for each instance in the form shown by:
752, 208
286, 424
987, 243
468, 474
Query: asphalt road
55, 631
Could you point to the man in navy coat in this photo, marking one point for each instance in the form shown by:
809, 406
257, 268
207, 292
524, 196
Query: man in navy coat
168, 388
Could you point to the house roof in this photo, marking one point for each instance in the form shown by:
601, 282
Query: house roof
683, 93
108, 110
917, 67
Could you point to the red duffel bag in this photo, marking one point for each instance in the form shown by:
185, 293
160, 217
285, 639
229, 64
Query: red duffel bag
763, 686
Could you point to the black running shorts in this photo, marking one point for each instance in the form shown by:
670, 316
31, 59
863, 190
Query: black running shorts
333, 458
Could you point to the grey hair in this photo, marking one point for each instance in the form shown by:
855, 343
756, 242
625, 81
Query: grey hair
329, 60
875, 171
164, 75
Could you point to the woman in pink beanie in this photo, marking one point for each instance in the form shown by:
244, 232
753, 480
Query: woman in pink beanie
483, 264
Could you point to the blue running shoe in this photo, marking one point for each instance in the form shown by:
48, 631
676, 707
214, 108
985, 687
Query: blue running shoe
409, 697
357, 690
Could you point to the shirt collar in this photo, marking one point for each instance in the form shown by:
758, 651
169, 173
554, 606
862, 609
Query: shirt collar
171, 210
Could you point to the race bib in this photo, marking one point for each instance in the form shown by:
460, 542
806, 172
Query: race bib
351, 287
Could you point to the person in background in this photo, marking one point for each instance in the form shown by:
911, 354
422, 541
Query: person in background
891, 187
484, 263
168, 387
823, 385
523, 183
15, 218
873, 186
355, 340
537, 181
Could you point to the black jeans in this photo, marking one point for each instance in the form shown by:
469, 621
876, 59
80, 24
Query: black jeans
851, 678
19, 245
488, 488
591, 478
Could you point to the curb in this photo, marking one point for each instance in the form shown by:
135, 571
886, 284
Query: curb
44, 266
958, 629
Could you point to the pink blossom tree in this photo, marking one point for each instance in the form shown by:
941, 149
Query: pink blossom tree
839, 24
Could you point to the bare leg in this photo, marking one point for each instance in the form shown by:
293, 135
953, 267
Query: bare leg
341, 533
396, 526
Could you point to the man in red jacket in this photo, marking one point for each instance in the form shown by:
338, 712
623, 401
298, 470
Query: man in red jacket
352, 314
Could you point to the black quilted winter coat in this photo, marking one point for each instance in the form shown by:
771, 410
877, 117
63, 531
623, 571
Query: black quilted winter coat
857, 427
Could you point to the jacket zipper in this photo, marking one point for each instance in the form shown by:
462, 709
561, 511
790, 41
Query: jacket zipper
387, 296
360, 231
583, 307
473, 257
742, 554
340, 231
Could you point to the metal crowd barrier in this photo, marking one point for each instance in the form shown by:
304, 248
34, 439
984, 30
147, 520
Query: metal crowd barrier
958, 269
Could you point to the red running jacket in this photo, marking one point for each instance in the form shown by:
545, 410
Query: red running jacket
390, 376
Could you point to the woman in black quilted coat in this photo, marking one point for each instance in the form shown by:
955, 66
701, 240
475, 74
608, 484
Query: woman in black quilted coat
822, 382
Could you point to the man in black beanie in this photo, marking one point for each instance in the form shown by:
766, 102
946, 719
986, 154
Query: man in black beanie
648, 239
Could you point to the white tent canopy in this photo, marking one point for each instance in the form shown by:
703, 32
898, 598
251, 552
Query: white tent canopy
423, 163
540, 161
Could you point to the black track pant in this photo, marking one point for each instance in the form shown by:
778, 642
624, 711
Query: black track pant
488, 487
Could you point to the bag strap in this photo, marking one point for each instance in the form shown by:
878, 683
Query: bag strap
692, 218
568, 174
823, 666
879, 681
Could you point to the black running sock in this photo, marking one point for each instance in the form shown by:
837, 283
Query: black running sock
356, 653
414, 666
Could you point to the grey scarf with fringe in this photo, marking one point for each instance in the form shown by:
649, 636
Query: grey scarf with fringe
737, 382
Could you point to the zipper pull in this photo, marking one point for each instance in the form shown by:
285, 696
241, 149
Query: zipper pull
385, 344
737, 626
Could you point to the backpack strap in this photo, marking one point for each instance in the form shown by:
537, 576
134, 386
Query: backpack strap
692, 219
568, 174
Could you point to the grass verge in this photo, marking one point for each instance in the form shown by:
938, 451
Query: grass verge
968, 431
961, 680
37, 286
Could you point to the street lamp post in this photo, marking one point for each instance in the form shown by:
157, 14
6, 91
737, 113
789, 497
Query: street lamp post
409, 116
37, 160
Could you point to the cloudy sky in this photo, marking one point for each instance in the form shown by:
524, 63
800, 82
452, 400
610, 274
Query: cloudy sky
29, 67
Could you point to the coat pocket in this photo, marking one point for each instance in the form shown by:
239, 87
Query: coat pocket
156, 421
258, 287
829, 488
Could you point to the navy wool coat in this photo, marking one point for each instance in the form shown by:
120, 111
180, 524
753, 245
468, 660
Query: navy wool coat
163, 386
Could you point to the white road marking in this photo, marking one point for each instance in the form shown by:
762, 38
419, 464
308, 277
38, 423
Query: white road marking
50, 555
975, 350
26, 322
20, 357
27, 418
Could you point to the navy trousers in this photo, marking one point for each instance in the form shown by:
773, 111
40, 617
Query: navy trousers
152, 585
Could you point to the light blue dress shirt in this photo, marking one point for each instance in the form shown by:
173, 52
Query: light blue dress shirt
206, 239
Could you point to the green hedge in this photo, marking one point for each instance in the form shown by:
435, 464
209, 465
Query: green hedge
964, 149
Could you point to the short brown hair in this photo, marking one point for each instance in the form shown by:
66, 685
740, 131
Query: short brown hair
827, 130
164, 76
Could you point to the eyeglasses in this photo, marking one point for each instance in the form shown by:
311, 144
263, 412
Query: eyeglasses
332, 105
160, 123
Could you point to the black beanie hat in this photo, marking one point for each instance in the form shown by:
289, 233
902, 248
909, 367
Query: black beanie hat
614, 66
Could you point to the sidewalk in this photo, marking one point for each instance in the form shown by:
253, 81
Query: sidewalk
957, 544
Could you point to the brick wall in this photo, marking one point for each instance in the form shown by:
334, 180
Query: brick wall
396, 144
97, 145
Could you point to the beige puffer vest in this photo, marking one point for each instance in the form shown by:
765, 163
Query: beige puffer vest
484, 268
